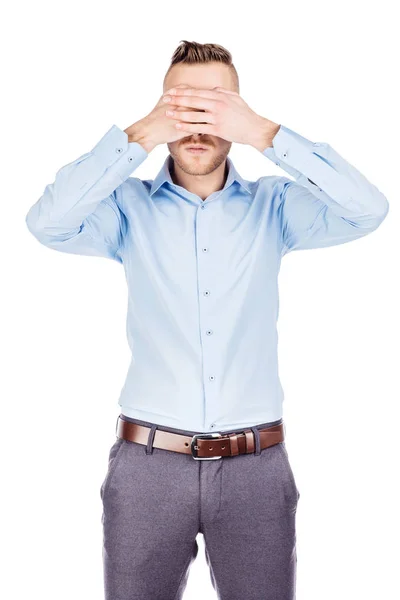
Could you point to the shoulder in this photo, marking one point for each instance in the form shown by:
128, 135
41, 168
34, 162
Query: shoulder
273, 186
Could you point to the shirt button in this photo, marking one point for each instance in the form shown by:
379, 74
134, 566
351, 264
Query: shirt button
284, 154
212, 425
202, 207
212, 377
209, 332
130, 158
206, 293
119, 150
205, 249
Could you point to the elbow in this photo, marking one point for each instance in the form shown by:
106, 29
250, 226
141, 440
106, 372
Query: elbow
372, 214
382, 211
31, 221
47, 233
368, 222
385, 208
382, 205
35, 224
34, 228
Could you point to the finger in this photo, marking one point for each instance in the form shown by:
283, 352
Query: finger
179, 85
171, 106
193, 102
196, 128
186, 90
221, 89
213, 95
191, 117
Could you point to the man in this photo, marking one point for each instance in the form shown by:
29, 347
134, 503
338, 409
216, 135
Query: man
200, 438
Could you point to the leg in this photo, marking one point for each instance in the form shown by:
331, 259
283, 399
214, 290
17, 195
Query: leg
150, 522
251, 541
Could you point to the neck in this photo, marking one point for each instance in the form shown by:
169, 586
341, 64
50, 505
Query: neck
201, 185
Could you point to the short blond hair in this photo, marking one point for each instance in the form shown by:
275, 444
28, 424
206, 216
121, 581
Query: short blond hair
195, 53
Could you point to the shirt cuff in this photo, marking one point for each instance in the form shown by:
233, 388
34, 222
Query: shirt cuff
114, 150
283, 141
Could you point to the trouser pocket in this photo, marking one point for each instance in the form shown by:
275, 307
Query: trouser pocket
288, 469
114, 455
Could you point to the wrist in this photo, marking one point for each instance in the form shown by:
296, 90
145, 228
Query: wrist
138, 133
266, 133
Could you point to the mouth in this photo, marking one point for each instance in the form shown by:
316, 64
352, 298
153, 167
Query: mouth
196, 149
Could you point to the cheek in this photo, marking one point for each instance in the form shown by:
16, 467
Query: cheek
223, 144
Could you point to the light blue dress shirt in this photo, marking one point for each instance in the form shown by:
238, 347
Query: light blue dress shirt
202, 275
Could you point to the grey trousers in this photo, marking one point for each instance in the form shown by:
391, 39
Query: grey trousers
156, 501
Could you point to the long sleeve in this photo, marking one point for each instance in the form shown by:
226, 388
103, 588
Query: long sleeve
80, 211
329, 203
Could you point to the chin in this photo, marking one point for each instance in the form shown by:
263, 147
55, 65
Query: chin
197, 167
200, 159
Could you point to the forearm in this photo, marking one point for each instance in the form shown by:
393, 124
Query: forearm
80, 211
82, 184
327, 175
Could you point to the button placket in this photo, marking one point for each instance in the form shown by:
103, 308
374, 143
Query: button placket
206, 332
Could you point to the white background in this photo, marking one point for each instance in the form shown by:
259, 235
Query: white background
71, 70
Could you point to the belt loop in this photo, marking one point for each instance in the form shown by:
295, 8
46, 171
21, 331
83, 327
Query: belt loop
149, 446
257, 439
116, 426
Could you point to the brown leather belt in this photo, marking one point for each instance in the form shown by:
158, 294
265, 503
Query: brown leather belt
202, 446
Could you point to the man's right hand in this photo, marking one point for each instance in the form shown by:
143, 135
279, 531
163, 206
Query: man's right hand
156, 128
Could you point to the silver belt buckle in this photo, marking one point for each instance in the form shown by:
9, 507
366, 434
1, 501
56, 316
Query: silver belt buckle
203, 436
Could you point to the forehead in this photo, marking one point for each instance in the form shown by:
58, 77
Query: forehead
203, 76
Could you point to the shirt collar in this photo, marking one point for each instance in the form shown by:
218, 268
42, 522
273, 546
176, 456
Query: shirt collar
164, 176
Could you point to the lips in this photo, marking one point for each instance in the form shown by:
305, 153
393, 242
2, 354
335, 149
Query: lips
196, 148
